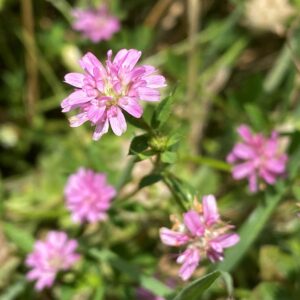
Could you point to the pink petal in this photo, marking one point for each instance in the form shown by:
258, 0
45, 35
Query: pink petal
193, 223
135, 75
242, 170
89, 62
253, 182
148, 70
120, 56
214, 256
225, 240
231, 158
271, 147
78, 120
131, 106
243, 151
189, 259
276, 165
40, 248
131, 59
45, 281
33, 274
101, 128
269, 177
245, 133
155, 81
75, 99
75, 79
117, 121
148, 94
173, 238
95, 113
57, 238
70, 246
210, 210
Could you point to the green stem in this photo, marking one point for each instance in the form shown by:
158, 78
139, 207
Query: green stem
207, 161
177, 199
125, 175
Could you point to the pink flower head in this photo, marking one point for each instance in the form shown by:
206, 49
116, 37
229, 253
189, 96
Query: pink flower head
102, 93
88, 196
257, 157
56, 253
202, 233
95, 24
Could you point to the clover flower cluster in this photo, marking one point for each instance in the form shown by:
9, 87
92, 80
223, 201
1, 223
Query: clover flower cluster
88, 196
56, 253
203, 234
103, 92
257, 157
95, 24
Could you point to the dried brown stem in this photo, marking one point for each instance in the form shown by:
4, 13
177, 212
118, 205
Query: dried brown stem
192, 107
156, 13
32, 88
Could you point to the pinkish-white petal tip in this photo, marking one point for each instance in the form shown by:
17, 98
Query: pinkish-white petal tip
210, 210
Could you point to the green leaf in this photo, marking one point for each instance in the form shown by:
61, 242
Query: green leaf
144, 155
174, 138
138, 144
19, 236
208, 161
294, 150
228, 283
138, 123
278, 72
131, 270
252, 227
195, 290
169, 157
257, 119
162, 113
14, 290
155, 286
149, 180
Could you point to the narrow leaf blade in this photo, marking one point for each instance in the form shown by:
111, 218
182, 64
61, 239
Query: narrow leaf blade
195, 290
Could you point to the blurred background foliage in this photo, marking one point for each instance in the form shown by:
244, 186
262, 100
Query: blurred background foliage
226, 73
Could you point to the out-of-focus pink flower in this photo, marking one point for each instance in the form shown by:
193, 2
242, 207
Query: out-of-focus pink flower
56, 253
143, 294
95, 24
257, 157
102, 93
88, 195
204, 235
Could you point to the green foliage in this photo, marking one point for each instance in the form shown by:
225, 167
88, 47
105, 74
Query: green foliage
162, 113
183, 193
149, 180
174, 153
132, 272
19, 236
196, 289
